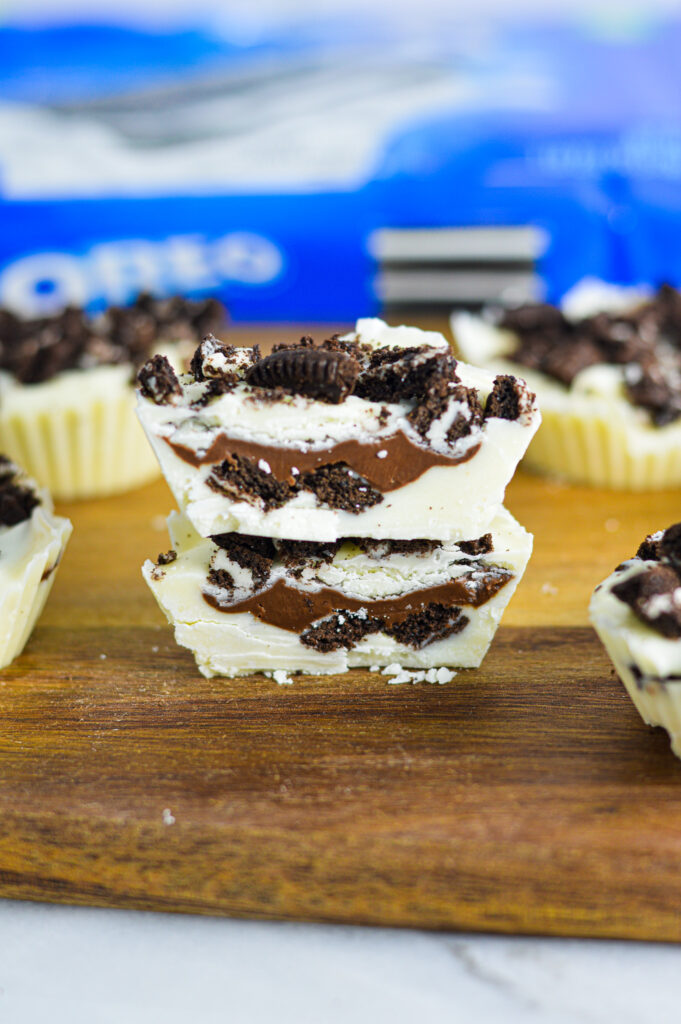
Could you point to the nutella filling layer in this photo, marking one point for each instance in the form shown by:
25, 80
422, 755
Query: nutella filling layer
292, 608
387, 463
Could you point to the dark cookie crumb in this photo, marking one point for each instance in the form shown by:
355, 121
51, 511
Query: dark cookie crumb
16, 501
638, 591
670, 545
297, 553
662, 546
482, 546
434, 622
254, 553
508, 398
343, 629
403, 374
35, 350
462, 425
158, 381
646, 340
336, 485
221, 578
241, 479
340, 487
167, 557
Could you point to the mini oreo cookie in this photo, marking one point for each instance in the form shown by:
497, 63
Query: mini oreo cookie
316, 373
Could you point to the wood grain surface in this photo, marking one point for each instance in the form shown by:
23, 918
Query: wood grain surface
526, 796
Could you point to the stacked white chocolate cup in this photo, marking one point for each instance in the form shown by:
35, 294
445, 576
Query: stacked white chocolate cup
271, 571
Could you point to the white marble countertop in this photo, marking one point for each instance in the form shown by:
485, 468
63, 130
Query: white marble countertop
70, 965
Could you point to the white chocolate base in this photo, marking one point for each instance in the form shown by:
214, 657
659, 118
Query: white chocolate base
227, 644
630, 642
29, 555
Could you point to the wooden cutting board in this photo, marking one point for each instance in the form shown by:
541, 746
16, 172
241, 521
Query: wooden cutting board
526, 796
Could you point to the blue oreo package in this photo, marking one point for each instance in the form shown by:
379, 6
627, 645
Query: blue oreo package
323, 170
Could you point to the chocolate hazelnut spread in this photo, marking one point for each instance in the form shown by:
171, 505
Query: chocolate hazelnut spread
294, 609
403, 462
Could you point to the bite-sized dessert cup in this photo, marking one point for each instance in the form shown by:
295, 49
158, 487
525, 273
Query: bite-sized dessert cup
245, 604
606, 370
636, 612
67, 390
32, 542
380, 433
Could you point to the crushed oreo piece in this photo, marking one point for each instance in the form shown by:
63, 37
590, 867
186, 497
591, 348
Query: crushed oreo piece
256, 554
16, 501
158, 381
462, 424
404, 374
336, 484
508, 398
241, 478
315, 372
670, 545
297, 553
36, 350
340, 487
215, 387
482, 546
645, 593
165, 558
652, 389
221, 578
220, 363
646, 340
648, 550
434, 622
563, 363
343, 629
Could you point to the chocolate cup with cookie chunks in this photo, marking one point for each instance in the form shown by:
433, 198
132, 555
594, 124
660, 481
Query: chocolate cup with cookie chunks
606, 369
68, 389
245, 604
636, 612
377, 433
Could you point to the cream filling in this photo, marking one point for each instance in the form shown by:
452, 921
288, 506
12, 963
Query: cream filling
239, 643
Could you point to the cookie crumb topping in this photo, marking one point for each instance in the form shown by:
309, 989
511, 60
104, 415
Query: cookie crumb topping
17, 500
654, 593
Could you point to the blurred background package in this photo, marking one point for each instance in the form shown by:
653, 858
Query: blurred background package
319, 162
